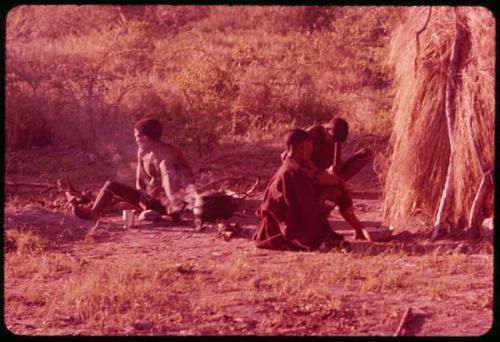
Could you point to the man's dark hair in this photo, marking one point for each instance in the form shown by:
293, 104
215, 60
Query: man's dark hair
295, 137
149, 127
340, 128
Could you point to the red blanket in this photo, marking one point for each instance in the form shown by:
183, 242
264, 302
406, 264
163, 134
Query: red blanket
292, 216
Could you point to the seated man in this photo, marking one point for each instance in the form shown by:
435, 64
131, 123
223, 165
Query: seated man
293, 214
327, 149
164, 180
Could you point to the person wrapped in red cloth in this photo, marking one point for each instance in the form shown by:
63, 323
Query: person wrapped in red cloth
293, 211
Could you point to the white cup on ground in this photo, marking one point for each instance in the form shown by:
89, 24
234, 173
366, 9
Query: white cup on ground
128, 218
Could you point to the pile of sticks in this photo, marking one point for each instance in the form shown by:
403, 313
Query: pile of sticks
74, 197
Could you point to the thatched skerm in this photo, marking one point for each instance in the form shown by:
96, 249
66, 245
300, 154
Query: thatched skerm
420, 145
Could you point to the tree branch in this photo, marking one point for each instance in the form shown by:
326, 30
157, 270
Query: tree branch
35, 184
418, 32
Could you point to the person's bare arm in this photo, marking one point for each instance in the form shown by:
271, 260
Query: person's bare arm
164, 178
170, 190
140, 174
140, 179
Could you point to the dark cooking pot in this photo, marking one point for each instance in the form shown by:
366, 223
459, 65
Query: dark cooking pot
211, 206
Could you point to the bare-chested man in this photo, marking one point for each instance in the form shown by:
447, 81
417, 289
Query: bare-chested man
164, 179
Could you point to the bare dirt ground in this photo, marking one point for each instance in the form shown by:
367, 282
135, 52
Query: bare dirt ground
66, 276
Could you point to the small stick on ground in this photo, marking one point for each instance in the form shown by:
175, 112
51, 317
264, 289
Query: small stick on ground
404, 322
92, 231
35, 184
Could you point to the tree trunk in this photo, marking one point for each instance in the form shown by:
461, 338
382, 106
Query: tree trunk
417, 54
442, 217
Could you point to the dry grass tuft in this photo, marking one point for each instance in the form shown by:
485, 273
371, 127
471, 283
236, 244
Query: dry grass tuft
334, 293
23, 241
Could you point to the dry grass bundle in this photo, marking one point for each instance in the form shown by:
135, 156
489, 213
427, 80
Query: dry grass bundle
475, 101
420, 146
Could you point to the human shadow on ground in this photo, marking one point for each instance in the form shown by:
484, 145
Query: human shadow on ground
51, 226
343, 225
415, 248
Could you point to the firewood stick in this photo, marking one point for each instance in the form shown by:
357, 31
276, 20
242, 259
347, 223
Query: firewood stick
404, 321
252, 189
70, 197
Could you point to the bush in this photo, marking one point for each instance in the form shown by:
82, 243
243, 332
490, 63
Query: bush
82, 74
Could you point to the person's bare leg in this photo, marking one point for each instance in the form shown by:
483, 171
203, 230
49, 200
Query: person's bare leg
352, 220
335, 195
102, 200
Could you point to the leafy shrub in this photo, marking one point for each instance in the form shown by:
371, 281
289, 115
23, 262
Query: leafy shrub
81, 75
